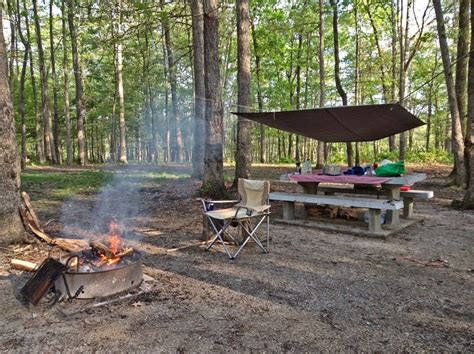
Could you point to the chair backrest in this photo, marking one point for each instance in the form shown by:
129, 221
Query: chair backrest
253, 193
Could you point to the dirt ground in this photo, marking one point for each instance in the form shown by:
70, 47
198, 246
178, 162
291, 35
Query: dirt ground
314, 291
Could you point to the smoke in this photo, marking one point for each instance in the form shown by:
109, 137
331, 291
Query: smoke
89, 216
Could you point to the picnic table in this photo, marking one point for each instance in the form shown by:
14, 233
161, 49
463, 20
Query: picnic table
390, 185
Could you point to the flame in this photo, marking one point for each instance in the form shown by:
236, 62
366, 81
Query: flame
115, 244
114, 239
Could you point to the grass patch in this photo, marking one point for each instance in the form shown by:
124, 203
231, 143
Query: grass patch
59, 185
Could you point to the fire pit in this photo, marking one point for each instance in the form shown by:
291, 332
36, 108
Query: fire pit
102, 270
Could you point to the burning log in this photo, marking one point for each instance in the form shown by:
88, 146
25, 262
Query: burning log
99, 246
108, 252
23, 265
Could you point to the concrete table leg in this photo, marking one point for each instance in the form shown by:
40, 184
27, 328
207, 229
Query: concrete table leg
288, 210
407, 207
308, 188
392, 217
374, 220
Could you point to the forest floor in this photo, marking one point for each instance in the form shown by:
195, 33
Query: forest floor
314, 291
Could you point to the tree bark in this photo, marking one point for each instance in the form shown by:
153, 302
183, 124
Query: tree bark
39, 136
21, 89
322, 89
56, 134
339, 87
80, 109
462, 59
67, 114
213, 183
458, 143
468, 201
48, 134
256, 51
243, 154
176, 134
119, 83
11, 228
199, 89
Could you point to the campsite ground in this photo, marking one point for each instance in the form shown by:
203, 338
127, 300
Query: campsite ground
314, 290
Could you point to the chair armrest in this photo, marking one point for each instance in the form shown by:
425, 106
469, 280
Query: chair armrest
250, 210
205, 202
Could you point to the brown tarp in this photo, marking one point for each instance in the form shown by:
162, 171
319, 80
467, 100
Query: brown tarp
338, 124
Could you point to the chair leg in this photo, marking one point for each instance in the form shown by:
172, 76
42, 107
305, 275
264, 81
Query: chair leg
219, 237
251, 235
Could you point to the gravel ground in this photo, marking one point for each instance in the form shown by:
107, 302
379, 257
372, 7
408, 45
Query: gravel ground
314, 291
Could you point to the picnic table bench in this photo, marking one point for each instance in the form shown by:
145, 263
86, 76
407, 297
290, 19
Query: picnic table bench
375, 206
408, 196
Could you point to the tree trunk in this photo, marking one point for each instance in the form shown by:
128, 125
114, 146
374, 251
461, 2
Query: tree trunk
67, 115
457, 136
468, 201
11, 228
176, 135
199, 89
391, 139
322, 89
48, 134
56, 135
39, 136
213, 183
256, 51
243, 154
80, 109
462, 61
339, 87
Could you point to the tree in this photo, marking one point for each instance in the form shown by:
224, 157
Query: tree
56, 133
243, 155
80, 109
11, 228
48, 134
337, 77
468, 201
199, 88
322, 89
213, 182
458, 143
67, 114
119, 83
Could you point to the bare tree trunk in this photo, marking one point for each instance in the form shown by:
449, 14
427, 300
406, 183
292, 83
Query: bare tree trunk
403, 39
48, 134
117, 18
262, 145
80, 109
22, 87
199, 89
243, 154
339, 87
213, 183
176, 135
391, 139
322, 89
458, 143
462, 61
56, 135
67, 114
468, 201
11, 228
39, 138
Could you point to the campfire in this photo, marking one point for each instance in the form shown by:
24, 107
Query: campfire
99, 268
103, 255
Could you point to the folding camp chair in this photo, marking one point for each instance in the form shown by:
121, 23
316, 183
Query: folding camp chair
249, 214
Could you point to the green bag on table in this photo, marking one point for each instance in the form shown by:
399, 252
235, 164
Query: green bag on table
391, 169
